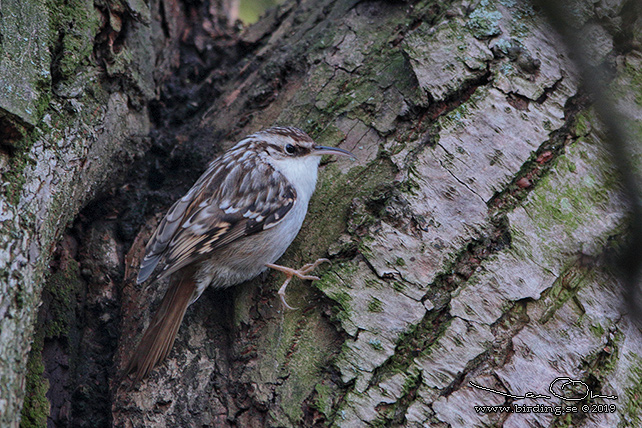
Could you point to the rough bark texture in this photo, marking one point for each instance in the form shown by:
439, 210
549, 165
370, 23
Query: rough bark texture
76, 82
64, 131
472, 241
469, 240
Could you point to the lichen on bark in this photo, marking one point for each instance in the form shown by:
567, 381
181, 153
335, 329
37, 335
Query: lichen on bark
64, 132
473, 225
470, 241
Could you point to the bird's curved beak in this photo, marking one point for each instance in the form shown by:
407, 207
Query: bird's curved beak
325, 150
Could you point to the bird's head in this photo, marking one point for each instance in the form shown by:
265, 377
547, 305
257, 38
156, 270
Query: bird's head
283, 143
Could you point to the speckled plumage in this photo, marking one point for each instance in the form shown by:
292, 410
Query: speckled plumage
241, 214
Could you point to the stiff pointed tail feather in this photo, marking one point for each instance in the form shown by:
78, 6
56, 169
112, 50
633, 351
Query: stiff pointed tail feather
159, 337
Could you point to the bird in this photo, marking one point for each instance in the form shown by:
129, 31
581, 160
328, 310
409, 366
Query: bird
235, 222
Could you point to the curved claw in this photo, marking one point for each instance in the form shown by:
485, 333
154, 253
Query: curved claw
285, 304
300, 273
281, 293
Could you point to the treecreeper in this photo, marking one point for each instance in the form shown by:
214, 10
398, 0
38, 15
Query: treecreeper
235, 222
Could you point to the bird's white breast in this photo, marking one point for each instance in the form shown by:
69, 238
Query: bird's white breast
243, 259
301, 172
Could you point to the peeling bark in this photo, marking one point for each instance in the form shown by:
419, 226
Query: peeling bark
76, 80
472, 241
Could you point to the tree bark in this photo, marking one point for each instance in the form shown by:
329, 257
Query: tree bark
76, 83
472, 242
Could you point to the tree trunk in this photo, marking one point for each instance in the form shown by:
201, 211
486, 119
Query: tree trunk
472, 242
76, 83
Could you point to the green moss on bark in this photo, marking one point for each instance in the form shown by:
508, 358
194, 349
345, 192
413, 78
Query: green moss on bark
73, 27
14, 177
632, 408
56, 317
36, 406
63, 287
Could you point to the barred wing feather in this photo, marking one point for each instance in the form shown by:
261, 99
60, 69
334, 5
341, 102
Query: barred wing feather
229, 201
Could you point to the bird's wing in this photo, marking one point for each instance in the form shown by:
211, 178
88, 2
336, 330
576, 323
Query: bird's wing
229, 201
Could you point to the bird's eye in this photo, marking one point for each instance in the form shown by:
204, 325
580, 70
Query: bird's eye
290, 149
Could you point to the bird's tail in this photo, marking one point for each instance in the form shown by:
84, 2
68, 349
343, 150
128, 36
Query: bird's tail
159, 337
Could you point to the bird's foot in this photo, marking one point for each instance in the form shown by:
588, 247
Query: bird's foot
299, 273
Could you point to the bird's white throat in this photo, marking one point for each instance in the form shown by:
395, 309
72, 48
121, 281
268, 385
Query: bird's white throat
301, 172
